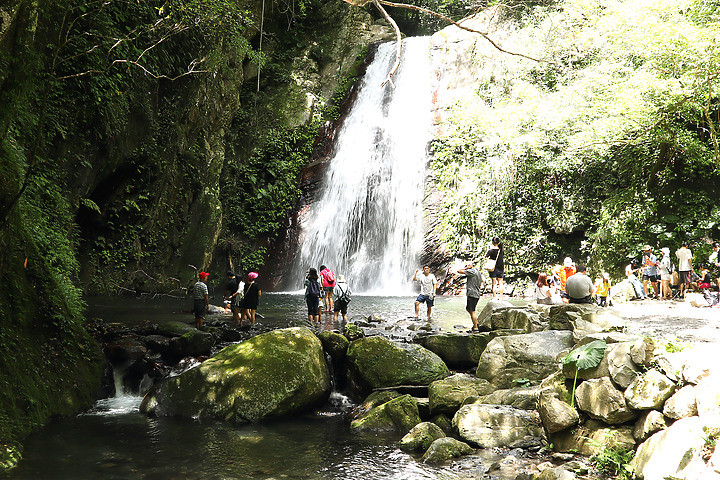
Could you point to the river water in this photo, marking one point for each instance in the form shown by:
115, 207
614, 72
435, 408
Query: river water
114, 441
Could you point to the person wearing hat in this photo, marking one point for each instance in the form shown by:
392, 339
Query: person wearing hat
649, 275
252, 298
342, 293
473, 288
563, 272
665, 270
201, 299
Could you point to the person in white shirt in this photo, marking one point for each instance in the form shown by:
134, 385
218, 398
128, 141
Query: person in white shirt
428, 286
684, 256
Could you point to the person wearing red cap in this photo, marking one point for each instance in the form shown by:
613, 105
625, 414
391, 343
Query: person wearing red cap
201, 299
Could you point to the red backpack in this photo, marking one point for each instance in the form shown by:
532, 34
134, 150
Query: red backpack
330, 277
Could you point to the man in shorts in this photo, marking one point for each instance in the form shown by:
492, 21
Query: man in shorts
201, 300
472, 292
428, 286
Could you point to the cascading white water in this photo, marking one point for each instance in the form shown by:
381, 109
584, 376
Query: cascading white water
366, 221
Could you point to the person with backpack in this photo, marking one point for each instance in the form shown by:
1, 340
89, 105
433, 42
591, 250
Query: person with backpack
234, 293
328, 285
343, 294
665, 268
313, 292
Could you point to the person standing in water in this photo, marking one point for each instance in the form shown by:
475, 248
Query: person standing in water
328, 285
342, 294
313, 292
201, 299
252, 298
497, 252
428, 286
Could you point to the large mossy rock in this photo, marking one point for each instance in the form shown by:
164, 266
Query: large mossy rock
376, 362
531, 356
271, 375
399, 414
444, 449
421, 436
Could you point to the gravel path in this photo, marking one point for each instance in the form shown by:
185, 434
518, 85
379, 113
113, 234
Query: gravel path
672, 320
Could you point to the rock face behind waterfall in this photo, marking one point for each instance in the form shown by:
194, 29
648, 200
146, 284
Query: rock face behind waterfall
271, 375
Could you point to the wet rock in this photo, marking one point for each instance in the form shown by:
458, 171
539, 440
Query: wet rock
556, 473
173, 329
399, 414
353, 332
592, 437
444, 449
421, 436
275, 374
191, 344
334, 344
125, 349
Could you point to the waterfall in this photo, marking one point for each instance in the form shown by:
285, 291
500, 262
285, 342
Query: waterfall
366, 220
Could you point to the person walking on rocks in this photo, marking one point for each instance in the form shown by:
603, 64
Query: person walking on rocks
665, 269
428, 286
684, 256
580, 287
496, 252
201, 299
472, 292
234, 292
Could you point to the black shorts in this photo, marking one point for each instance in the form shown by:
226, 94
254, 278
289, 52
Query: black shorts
199, 308
497, 274
313, 304
471, 304
652, 278
340, 306
684, 276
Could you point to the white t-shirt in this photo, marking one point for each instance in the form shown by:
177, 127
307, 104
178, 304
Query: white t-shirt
684, 256
426, 283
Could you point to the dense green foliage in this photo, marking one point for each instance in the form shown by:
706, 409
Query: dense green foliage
605, 145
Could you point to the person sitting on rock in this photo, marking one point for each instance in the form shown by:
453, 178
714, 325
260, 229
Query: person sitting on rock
563, 272
630, 271
580, 287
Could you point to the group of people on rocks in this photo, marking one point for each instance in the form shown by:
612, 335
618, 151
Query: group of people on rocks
241, 298
335, 293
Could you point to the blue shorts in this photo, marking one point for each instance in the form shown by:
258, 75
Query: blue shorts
426, 299
328, 289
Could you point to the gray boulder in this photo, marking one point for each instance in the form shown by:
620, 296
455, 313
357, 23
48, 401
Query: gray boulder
592, 437
555, 414
649, 422
375, 362
448, 394
620, 364
524, 398
649, 391
457, 350
517, 319
561, 316
682, 403
601, 400
491, 426
275, 374
421, 436
557, 473
491, 307
533, 356
444, 449
707, 396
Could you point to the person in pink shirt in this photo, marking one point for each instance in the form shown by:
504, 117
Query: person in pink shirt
328, 284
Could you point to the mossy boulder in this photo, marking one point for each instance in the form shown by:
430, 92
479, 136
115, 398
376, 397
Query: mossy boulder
173, 329
376, 362
421, 436
444, 449
271, 375
399, 414
334, 343
457, 350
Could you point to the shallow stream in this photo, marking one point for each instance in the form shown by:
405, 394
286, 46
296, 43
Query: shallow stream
114, 441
